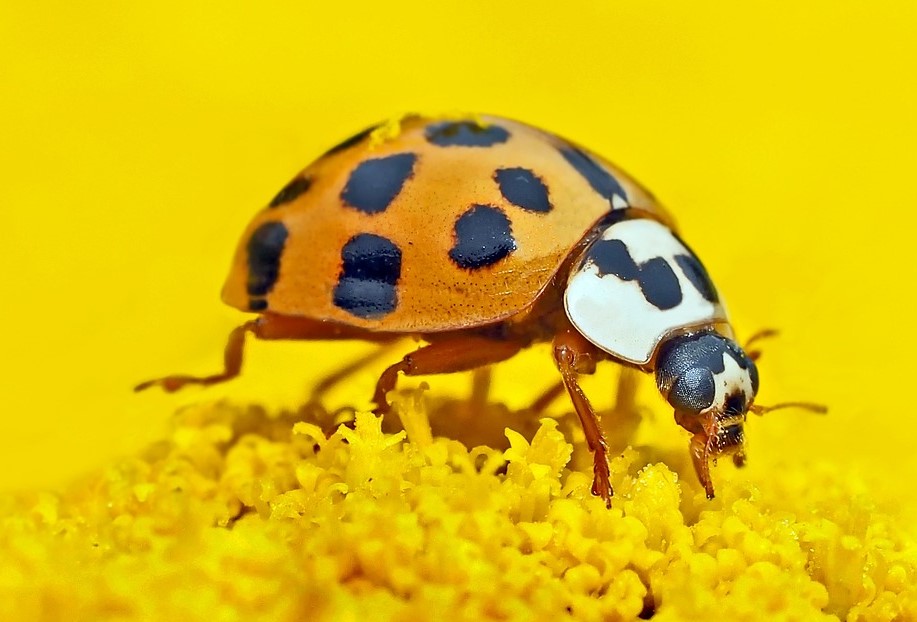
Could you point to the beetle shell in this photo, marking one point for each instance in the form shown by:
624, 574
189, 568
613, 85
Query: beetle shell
449, 224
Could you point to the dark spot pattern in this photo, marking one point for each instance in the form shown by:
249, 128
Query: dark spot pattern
371, 267
483, 237
735, 404
601, 180
465, 134
656, 278
659, 284
291, 191
702, 350
523, 188
351, 142
612, 257
694, 390
374, 184
264, 248
697, 274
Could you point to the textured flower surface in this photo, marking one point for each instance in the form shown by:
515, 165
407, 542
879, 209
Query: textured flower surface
243, 515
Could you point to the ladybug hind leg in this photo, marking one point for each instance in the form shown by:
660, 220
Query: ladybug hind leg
273, 327
232, 364
447, 356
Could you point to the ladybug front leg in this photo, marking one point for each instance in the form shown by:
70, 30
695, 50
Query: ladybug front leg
445, 357
574, 355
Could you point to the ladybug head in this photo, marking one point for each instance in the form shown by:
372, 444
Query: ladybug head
711, 383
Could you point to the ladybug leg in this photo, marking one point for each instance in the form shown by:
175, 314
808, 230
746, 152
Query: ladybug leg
232, 364
574, 355
547, 398
700, 456
325, 384
267, 326
445, 357
480, 387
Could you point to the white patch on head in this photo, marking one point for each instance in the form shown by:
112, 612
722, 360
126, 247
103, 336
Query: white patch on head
614, 313
733, 379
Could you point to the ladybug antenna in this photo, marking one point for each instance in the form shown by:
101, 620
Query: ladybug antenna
819, 409
764, 333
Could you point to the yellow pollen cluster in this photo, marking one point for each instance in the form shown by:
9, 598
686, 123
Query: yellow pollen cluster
243, 515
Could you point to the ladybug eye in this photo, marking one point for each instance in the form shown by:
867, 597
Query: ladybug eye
693, 391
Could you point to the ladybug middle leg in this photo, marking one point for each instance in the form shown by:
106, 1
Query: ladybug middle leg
449, 355
480, 387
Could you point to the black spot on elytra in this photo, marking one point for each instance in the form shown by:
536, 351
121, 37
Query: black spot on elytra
351, 142
601, 180
656, 278
291, 191
697, 274
257, 304
483, 237
374, 184
264, 248
523, 188
465, 134
371, 267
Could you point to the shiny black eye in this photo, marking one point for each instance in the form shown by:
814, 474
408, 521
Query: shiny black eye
735, 404
693, 391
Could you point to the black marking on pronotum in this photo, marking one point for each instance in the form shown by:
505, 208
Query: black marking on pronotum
659, 284
291, 191
523, 188
264, 249
656, 278
483, 237
371, 267
374, 184
697, 274
612, 257
465, 134
350, 142
601, 180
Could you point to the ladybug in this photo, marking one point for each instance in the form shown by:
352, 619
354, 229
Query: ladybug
480, 236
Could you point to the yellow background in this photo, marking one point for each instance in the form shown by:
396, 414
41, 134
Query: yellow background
137, 139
